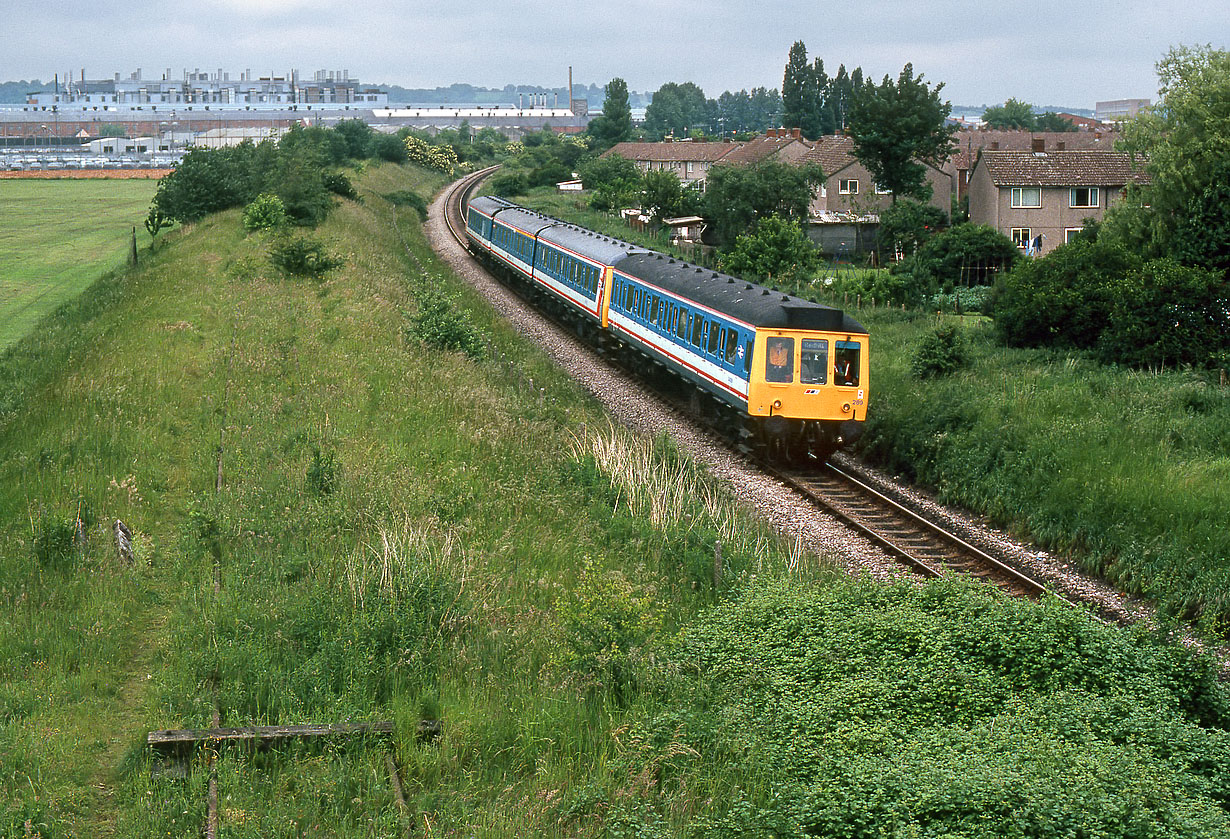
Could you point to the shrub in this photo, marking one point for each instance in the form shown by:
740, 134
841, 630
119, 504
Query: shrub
266, 212
941, 353
1063, 299
387, 147
908, 225
303, 256
1173, 315
775, 248
967, 254
604, 628
408, 198
440, 325
423, 153
510, 182
339, 184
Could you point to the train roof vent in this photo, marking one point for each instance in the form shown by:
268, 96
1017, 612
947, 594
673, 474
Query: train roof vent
699, 270
747, 286
785, 298
731, 281
714, 277
764, 293
660, 256
672, 262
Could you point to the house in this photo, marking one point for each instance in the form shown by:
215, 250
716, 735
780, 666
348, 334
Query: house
689, 161
969, 144
1041, 198
849, 188
785, 145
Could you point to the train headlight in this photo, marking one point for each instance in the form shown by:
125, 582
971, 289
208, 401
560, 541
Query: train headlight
845, 409
777, 404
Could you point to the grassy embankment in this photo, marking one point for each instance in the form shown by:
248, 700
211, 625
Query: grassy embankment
56, 237
1127, 471
406, 533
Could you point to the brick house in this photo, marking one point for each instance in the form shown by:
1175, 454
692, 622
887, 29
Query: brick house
848, 186
1043, 197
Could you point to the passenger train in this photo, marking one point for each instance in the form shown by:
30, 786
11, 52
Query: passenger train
787, 374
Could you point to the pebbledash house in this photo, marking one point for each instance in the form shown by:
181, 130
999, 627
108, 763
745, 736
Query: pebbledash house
1041, 198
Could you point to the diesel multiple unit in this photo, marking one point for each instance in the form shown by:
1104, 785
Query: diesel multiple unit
787, 373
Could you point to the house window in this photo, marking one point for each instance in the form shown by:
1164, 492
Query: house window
1071, 233
848, 187
1083, 196
1021, 237
881, 190
1026, 196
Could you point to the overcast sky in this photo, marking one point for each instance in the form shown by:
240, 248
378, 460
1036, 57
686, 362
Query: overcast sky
1046, 52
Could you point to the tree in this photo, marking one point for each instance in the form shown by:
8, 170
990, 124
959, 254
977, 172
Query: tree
1185, 139
614, 125
1012, 114
1051, 121
677, 109
895, 126
736, 197
795, 87
776, 248
661, 194
907, 225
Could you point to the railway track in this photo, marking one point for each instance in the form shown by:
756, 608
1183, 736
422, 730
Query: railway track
917, 541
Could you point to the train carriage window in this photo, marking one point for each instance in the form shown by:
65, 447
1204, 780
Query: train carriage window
653, 311
813, 361
684, 318
715, 338
747, 356
732, 346
779, 360
698, 324
846, 363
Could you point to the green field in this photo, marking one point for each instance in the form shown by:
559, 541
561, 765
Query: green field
335, 520
56, 237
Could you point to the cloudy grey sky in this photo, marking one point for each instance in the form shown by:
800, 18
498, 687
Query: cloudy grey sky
1060, 52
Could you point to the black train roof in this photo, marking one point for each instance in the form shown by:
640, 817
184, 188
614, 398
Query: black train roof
751, 303
754, 304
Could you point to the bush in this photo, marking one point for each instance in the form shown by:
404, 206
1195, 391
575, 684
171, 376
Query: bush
303, 256
941, 353
775, 248
339, 184
266, 212
1063, 299
423, 153
510, 182
408, 198
604, 629
908, 225
1173, 315
967, 254
440, 325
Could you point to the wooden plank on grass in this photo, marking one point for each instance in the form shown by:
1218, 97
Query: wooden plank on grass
177, 738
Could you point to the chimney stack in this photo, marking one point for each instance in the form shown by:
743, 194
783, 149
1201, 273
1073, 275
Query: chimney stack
1038, 144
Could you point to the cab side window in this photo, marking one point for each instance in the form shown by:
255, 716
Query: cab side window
779, 360
846, 363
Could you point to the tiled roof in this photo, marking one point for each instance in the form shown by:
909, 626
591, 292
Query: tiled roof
832, 154
761, 148
969, 143
705, 152
1061, 168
